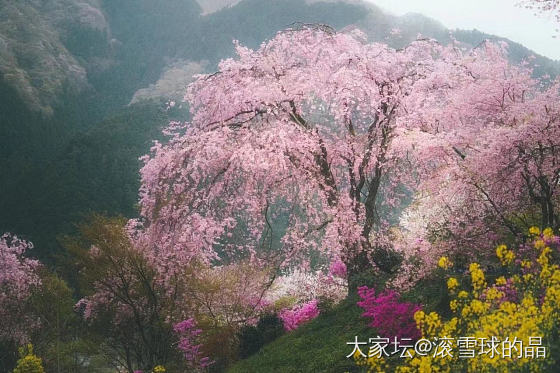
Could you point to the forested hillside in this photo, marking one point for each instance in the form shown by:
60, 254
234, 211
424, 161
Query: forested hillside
187, 182
62, 138
54, 114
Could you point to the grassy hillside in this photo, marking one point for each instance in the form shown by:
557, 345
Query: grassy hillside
319, 346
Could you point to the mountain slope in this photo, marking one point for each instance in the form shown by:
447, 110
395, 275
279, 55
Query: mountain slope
68, 69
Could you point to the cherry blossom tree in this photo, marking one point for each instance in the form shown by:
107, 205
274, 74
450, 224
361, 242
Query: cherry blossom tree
295, 150
18, 277
500, 173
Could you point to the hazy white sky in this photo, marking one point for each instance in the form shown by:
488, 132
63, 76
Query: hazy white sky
498, 17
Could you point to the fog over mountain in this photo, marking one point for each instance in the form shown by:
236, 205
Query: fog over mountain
84, 83
34, 40
54, 46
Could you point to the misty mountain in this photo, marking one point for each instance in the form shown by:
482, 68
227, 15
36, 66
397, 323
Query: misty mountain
111, 49
83, 84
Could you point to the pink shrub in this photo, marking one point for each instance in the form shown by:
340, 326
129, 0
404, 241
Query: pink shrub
18, 278
390, 317
188, 337
294, 317
338, 269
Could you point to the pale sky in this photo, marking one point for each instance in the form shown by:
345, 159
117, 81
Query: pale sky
498, 17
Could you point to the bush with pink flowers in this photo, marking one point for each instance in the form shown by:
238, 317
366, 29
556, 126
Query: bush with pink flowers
188, 337
294, 317
390, 317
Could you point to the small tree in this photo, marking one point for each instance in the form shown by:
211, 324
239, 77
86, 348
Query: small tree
147, 317
125, 303
61, 338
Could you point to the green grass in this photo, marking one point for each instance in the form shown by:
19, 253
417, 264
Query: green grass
318, 346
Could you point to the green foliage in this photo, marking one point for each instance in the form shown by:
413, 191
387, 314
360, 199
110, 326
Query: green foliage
8, 356
131, 324
68, 177
252, 338
29, 363
431, 293
249, 341
318, 346
61, 340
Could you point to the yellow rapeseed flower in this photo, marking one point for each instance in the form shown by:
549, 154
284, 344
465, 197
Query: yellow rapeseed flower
452, 283
484, 313
506, 256
548, 233
501, 281
444, 262
535, 231
477, 276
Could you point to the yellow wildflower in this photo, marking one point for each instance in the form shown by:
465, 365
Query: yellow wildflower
477, 276
501, 281
526, 264
452, 283
493, 293
543, 259
477, 306
506, 256
535, 231
444, 262
465, 312
548, 233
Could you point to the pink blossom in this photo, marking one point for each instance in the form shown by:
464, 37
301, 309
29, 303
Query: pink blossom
338, 269
18, 277
390, 317
188, 337
308, 132
294, 317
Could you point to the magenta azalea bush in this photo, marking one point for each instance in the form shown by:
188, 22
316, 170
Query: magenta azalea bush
390, 317
294, 317
188, 336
